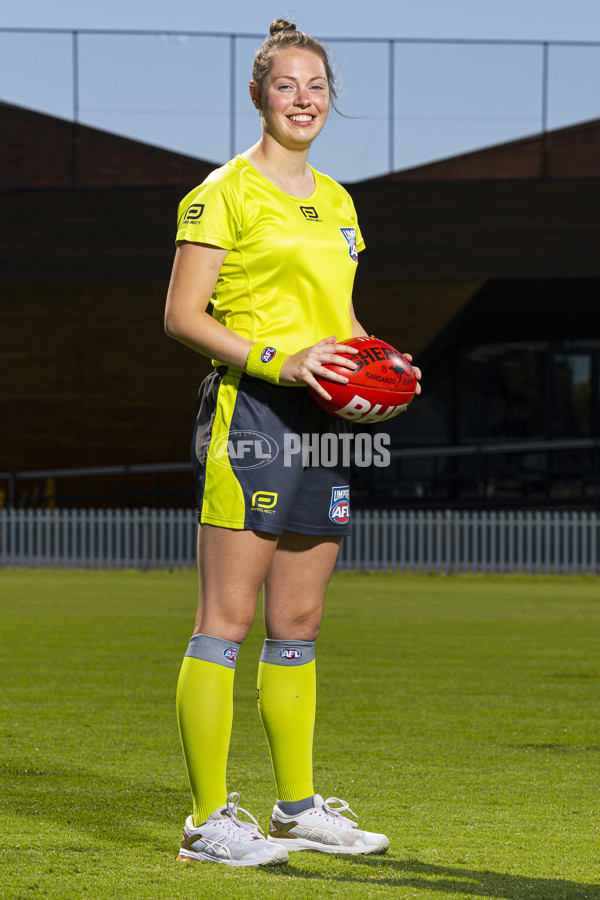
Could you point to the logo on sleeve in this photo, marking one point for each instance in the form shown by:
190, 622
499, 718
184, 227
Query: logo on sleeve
339, 509
350, 235
194, 212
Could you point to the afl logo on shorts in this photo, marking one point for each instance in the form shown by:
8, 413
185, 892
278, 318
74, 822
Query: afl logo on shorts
230, 653
268, 354
350, 235
290, 653
339, 509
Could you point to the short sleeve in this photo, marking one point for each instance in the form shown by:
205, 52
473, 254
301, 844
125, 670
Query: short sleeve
360, 241
210, 214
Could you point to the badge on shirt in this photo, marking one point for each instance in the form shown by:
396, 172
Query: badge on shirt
350, 235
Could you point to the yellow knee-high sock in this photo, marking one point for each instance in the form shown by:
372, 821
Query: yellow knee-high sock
286, 703
204, 716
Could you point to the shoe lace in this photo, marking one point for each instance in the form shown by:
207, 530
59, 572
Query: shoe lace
251, 828
336, 811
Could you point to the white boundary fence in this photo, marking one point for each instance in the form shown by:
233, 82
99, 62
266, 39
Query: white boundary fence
98, 538
526, 542
530, 542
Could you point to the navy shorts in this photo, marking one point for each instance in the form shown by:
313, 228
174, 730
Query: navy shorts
249, 470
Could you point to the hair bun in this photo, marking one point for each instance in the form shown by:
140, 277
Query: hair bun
281, 25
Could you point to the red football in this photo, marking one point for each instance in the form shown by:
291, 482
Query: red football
381, 387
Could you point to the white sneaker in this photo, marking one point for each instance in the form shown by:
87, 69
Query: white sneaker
324, 828
226, 839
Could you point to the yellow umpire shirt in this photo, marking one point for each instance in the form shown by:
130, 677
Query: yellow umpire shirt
287, 279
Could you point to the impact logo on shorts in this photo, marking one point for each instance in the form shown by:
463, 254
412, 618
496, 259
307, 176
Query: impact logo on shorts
230, 653
268, 354
243, 449
339, 510
194, 212
350, 235
290, 653
264, 501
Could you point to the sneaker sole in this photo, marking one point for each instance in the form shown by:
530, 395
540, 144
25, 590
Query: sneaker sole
298, 844
190, 856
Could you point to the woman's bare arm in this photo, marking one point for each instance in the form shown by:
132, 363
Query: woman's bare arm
195, 273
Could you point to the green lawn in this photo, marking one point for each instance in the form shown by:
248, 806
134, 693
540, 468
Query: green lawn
459, 715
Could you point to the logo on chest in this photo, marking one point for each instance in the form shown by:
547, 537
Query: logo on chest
310, 213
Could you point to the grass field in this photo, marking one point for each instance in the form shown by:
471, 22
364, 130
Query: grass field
460, 715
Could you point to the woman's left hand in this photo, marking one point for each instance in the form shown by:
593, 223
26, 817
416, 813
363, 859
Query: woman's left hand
416, 370
303, 367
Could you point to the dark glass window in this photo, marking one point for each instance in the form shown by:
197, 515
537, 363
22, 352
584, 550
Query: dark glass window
501, 392
425, 422
572, 384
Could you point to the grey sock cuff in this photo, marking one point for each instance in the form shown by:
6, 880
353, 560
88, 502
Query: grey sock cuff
295, 807
214, 650
287, 653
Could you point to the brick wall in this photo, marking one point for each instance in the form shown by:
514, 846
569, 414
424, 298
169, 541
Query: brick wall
89, 376
42, 151
566, 153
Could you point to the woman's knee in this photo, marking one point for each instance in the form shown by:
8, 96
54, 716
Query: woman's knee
236, 633
227, 620
300, 625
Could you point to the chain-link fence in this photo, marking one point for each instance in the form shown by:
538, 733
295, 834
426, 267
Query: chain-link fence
405, 101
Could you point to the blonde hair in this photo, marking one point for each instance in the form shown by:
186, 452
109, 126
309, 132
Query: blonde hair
284, 35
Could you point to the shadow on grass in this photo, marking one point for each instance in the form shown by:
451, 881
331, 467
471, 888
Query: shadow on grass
132, 813
433, 879
124, 811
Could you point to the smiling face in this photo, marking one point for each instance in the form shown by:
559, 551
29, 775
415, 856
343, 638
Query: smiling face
294, 98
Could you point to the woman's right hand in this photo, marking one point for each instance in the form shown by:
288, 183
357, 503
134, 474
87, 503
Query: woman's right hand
303, 367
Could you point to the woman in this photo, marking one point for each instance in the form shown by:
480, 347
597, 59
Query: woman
269, 241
